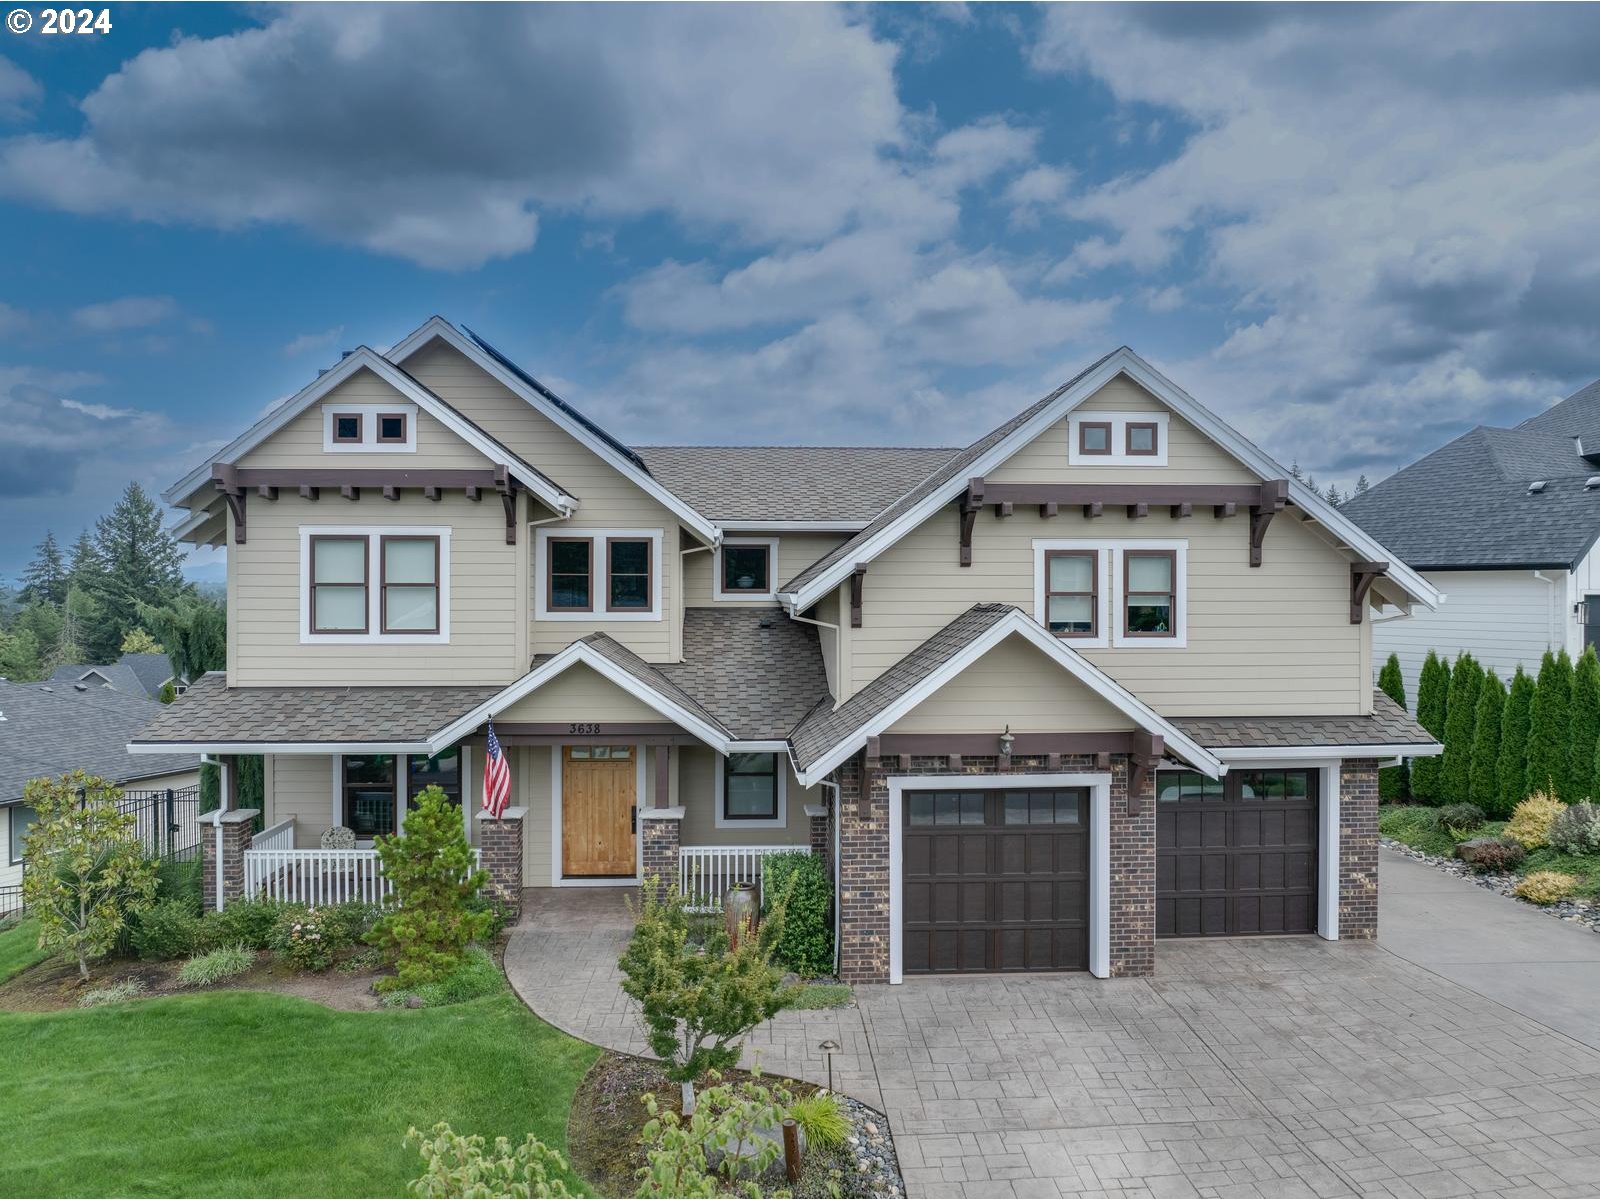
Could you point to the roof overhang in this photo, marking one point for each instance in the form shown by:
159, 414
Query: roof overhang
1245, 756
281, 748
1016, 623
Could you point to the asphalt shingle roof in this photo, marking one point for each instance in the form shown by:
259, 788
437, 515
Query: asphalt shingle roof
754, 668
791, 483
651, 675
51, 728
1389, 725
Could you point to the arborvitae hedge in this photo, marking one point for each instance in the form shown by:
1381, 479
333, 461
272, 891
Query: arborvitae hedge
1584, 728
1548, 726
1461, 712
1483, 785
1432, 685
1394, 783
1513, 766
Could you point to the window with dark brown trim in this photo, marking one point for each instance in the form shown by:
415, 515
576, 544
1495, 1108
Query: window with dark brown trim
1094, 437
442, 770
347, 427
338, 583
391, 427
628, 569
1143, 437
1071, 586
368, 800
750, 787
1150, 593
571, 575
409, 577
746, 568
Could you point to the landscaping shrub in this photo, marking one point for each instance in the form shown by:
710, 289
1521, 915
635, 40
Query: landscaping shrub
1547, 727
1530, 821
1496, 856
681, 1150
243, 923
1461, 711
477, 975
823, 1118
1432, 687
216, 965
350, 922
499, 913
1575, 830
304, 937
179, 879
112, 993
429, 923
1394, 783
798, 882
1512, 769
454, 1165
1546, 887
1459, 819
1583, 728
169, 930
1483, 767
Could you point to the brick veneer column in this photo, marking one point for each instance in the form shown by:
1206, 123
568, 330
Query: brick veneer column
500, 849
1358, 849
659, 827
237, 833
818, 817
1133, 875
863, 873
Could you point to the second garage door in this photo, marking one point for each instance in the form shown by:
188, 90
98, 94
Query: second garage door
1236, 855
995, 881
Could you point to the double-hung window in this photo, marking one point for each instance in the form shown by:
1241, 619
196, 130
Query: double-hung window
1100, 595
1150, 593
374, 585
600, 574
1071, 592
752, 792
571, 575
338, 583
410, 584
627, 574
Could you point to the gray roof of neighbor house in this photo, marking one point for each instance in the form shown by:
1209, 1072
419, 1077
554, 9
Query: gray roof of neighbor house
1389, 725
48, 729
791, 483
757, 671
1468, 504
135, 674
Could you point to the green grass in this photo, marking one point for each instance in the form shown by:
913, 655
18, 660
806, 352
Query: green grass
19, 948
823, 995
1414, 824
253, 1094
1585, 866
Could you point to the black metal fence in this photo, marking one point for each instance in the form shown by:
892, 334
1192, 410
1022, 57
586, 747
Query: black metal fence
10, 900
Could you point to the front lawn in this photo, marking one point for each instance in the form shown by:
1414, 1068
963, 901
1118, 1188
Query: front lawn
19, 948
252, 1094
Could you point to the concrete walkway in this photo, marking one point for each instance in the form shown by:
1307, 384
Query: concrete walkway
1246, 1067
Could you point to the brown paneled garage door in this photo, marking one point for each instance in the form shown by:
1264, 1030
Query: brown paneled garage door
995, 881
1236, 855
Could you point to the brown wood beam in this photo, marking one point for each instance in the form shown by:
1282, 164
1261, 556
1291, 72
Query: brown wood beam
350, 492
1091, 511
971, 505
266, 491
1135, 511
974, 745
1224, 510
1002, 511
663, 779
606, 730
506, 485
391, 493
1048, 510
307, 492
1272, 493
874, 747
1180, 511
432, 493
225, 478
858, 578
236, 501
228, 475
1362, 576
474, 493
1147, 751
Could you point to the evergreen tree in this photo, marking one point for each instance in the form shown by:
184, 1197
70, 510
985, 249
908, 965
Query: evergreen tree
1583, 728
138, 563
44, 580
1432, 686
194, 631
80, 619
1461, 711
1333, 496
1483, 784
1362, 485
1513, 766
1394, 783
84, 569
19, 656
138, 641
1547, 726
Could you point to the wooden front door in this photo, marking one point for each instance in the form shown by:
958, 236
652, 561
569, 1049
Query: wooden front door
597, 811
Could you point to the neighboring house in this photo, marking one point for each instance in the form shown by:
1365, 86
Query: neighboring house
50, 728
135, 674
1103, 675
1503, 522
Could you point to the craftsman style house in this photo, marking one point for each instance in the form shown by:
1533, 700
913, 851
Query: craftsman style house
1101, 677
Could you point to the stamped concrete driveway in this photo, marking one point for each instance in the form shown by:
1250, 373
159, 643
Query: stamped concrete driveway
1249, 1067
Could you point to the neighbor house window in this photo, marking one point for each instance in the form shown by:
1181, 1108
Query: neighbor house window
410, 584
368, 801
21, 818
443, 771
338, 584
627, 575
347, 427
750, 787
571, 575
391, 427
1071, 579
1150, 593
747, 568
1142, 437
1094, 437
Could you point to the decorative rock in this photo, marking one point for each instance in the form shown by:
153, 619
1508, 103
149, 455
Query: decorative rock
1581, 912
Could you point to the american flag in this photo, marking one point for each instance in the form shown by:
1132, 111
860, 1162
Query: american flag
496, 778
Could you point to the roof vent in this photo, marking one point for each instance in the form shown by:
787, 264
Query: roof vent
80, 687
765, 623
1536, 487
1591, 483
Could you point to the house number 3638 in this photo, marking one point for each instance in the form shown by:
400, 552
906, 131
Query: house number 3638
582, 727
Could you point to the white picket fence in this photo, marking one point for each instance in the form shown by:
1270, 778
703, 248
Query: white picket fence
705, 873
275, 870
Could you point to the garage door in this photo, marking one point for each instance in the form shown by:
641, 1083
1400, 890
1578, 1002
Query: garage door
995, 881
1236, 855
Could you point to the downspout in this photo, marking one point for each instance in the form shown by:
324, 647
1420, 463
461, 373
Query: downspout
838, 897
1559, 641
222, 806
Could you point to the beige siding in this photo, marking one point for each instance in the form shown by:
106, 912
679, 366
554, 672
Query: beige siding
796, 552
1014, 684
606, 497
264, 597
301, 786
10, 876
830, 638
530, 766
847, 676
579, 694
697, 792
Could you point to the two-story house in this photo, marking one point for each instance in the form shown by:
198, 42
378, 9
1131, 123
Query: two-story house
1100, 677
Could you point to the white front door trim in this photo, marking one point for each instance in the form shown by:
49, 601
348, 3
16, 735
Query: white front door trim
558, 801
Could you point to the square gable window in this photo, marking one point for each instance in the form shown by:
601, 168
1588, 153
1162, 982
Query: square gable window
391, 427
1142, 437
347, 427
1094, 437
746, 569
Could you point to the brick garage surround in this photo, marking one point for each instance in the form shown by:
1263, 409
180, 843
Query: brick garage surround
500, 846
864, 858
237, 825
1358, 849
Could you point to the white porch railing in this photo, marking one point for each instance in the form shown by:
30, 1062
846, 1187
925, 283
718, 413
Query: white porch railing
705, 873
275, 870
278, 837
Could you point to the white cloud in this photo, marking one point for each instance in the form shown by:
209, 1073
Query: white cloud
128, 312
48, 438
19, 91
313, 341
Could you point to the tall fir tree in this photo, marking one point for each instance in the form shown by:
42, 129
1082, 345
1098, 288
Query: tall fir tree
1513, 768
1432, 686
83, 569
1394, 783
139, 563
1547, 726
1583, 728
194, 631
44, 579
1483, 771
1461, 711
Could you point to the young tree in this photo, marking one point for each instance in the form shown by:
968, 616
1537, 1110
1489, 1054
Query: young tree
1547, 726
137, 641
44, 580
1461, 711
139, 563
1513, 766
1394, 783
1483, 784
1432, 686
1583, 729
84, 868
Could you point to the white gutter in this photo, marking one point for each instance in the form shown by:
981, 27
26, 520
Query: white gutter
838, 895
1552, 625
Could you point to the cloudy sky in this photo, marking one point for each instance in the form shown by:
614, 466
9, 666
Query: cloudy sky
1355, 231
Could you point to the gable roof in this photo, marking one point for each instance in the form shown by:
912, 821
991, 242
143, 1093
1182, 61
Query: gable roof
610, 449
999, 444
48, 729
1467, 505
753, 669
775, 487
825, 738
135, 674
364, 358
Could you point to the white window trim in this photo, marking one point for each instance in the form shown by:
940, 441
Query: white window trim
640, 801
1119, 422
369, 443
781, 770
1099, 785
1104, 560
374, 535
1112, 593
600, 565
772, 570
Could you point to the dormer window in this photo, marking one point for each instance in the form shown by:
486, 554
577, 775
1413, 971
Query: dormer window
392, 427
746, 569
347, 427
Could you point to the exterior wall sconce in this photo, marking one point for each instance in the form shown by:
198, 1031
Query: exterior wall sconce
1007, 740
